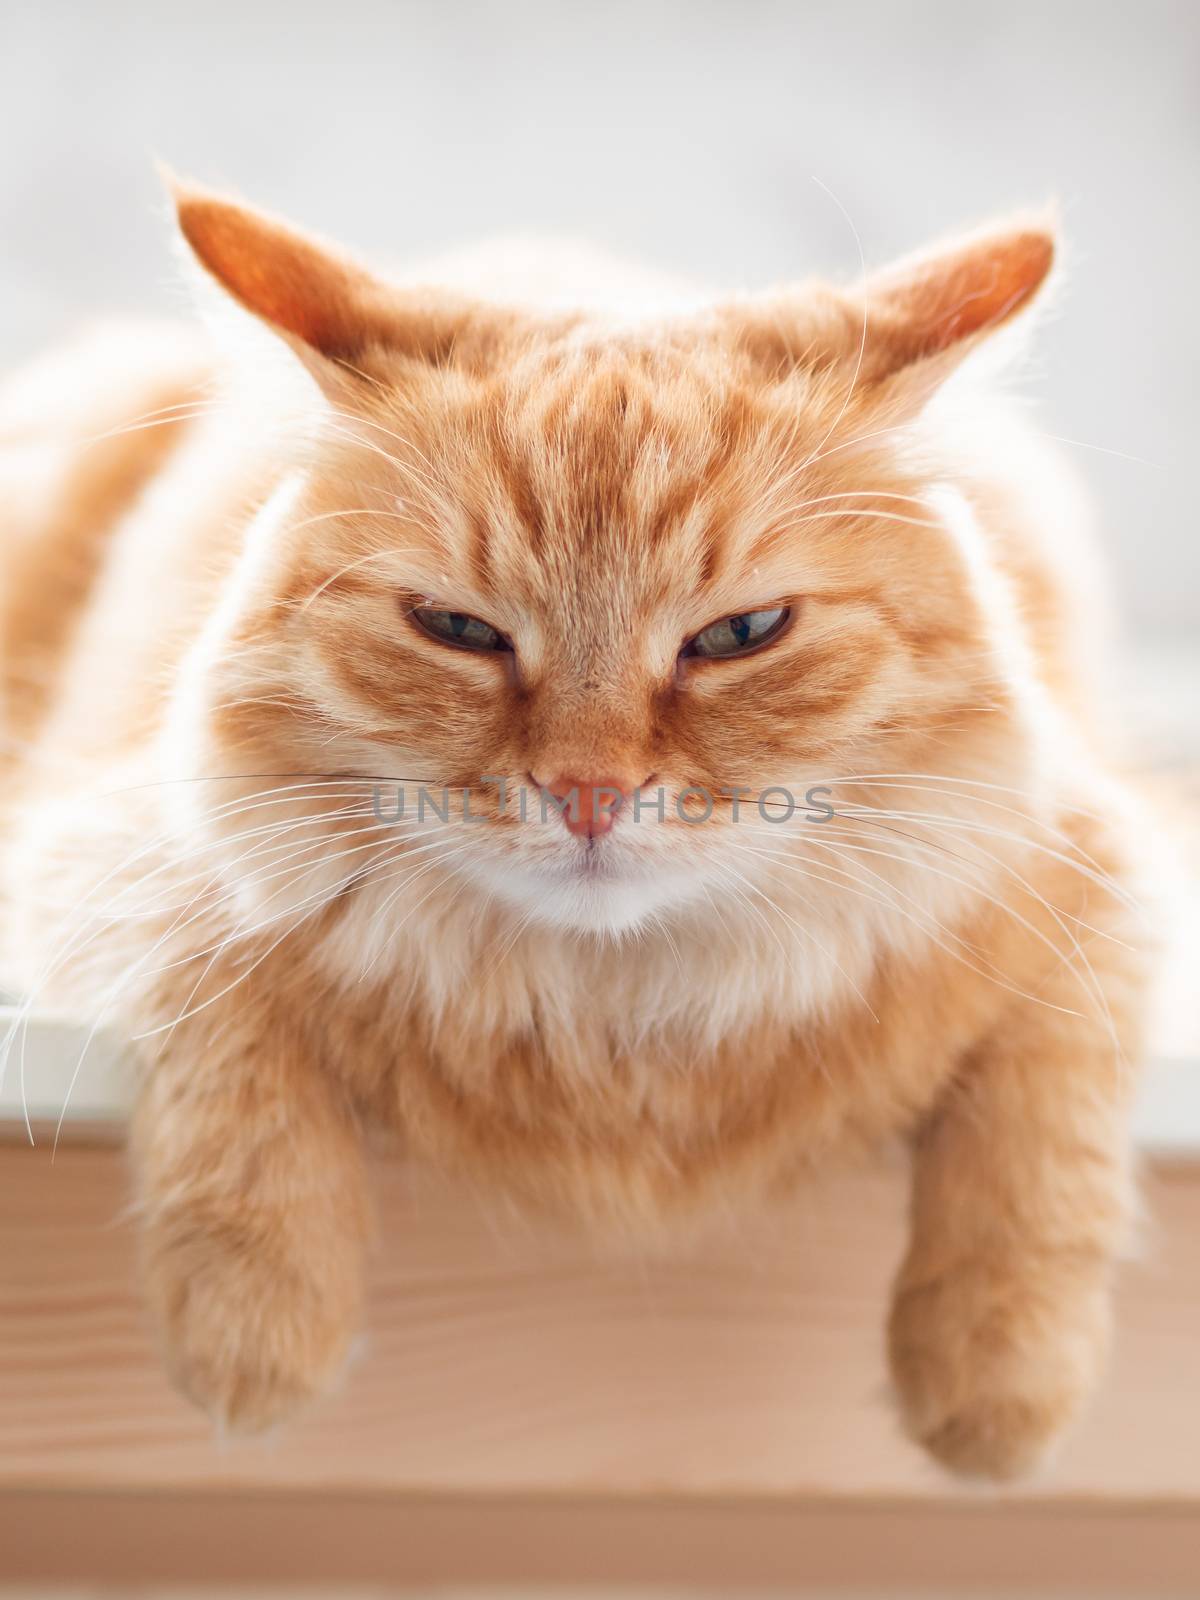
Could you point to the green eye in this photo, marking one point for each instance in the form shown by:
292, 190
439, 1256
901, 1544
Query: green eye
734, 636
455, 627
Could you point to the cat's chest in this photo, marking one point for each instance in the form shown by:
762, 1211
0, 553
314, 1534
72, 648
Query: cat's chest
631, 1084
590, 1011
682, 1060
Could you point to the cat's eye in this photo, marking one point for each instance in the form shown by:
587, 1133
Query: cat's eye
737, 636
457, 628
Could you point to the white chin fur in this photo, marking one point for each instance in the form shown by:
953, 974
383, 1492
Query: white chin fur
615, 903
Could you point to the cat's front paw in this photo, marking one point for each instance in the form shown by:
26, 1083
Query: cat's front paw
249, 1337
992, 1367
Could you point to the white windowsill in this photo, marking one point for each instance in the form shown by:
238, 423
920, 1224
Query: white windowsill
1167, 1120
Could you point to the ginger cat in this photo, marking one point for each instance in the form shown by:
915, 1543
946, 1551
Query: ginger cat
789, 619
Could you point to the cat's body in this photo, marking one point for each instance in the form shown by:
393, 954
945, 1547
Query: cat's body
202, 689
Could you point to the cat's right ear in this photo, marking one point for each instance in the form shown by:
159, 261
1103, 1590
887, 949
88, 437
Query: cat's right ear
342, 321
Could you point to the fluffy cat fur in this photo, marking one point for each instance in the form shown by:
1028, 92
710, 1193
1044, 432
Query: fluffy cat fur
213, 544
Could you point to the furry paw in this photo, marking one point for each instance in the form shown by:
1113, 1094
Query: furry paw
248, 1337
991, 1368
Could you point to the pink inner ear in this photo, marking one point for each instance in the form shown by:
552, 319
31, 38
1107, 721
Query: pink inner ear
320, 298
275, 273
942, 302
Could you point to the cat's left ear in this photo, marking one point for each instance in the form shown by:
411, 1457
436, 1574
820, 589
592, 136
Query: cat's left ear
926, 313
342, 320
904, 330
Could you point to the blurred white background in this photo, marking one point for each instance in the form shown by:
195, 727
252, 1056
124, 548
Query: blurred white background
688, 133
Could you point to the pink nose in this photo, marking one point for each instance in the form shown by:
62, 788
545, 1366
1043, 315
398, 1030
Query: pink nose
589, 805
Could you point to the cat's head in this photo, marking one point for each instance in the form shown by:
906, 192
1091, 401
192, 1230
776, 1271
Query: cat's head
710, 552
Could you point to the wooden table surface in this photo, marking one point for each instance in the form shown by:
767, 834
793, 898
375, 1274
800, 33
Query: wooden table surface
526, 1408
